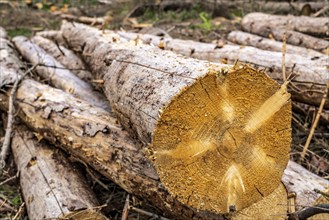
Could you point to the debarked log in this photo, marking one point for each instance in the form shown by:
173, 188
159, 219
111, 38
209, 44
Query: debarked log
50, 185
209, 127
307, 86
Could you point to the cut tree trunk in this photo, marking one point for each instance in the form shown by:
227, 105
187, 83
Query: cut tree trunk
55, 36
200, 120
307, 86
304, 24
273, 7
247, 39
65, 56
58, 75
292, 37
92, 135
50, 185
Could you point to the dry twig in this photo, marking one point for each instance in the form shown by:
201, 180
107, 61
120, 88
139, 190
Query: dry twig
125, 209
315, 123
6, 143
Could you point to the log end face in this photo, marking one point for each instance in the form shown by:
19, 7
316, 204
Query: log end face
224, 141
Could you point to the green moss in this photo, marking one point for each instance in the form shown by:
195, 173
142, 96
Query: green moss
19, 31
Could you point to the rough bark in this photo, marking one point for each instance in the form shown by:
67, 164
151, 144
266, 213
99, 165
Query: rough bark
51, 187
292, 37
65, 56
92, 135
168, 101
304, 24
58, 75
311, 74
247, 39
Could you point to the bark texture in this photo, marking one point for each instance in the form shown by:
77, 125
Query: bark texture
180, 106
58, 75
304, 24
65, 56
247, 39
50, 185
311, 74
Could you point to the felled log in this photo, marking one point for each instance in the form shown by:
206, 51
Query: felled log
51, 187
87, 20
273, 7
247, 39
292, 37
304, 24
55, 36
92, 135
168, 102
65, 56
311, 74
53, 71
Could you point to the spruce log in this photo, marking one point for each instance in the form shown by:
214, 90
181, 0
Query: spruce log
58, 75
92, 135
304, 24
247, 39
65, 56
292, 37
206, 137
51, 187
311, 74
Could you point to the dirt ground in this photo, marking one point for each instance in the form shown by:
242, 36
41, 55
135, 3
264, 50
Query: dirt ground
28, 17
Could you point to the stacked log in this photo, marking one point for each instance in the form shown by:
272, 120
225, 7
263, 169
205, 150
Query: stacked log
50, 185
200, 149
296, 29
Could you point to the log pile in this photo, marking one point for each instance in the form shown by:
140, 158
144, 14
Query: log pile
192, 137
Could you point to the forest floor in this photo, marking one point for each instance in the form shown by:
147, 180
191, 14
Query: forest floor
28, 17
